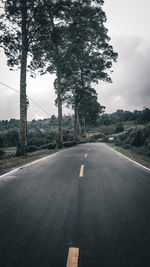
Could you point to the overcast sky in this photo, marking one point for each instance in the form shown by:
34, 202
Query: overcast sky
128, 24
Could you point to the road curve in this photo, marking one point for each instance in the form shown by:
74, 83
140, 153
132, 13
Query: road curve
88, 197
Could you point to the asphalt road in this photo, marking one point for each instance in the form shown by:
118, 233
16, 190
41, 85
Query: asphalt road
46, 208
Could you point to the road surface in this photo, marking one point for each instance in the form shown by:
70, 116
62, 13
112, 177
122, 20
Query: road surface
89, 198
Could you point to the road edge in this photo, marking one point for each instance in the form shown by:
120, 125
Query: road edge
33, 162
146, 168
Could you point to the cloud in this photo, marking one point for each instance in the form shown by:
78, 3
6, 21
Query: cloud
130, 89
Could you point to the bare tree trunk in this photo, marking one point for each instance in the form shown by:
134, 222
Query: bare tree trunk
59, 96
79, 127
59, 99
84, 126
75, 124
21, 148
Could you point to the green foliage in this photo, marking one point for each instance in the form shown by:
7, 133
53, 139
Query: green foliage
140, 117
18, 29
127, 146
135, 137
66, 37
43, 132
51, 146
88, 108
107, 130
119, 127
31, 148
144, 116
2, 154
9, 152
9, 137
67, 135
69, 144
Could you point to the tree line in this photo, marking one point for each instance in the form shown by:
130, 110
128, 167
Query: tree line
45, 132
65, 37
139, 116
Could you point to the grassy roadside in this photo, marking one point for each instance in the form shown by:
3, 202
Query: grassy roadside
12, 162
132, 153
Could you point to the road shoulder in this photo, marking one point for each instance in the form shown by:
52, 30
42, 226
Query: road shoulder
12, 163
138, 159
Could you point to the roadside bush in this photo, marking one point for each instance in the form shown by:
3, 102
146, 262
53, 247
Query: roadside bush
119, 127
43, 146
2, 140
2, 154
148, 145
127, 146
83, 141
107, 130
67, 135
51, 137
95, 137
137, 136
147, 153
118, 142
92, 140
35, 141
32, 148
51, 145
69, 144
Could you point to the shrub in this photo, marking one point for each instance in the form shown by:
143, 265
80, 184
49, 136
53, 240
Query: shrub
137, 136
119, 127
92, 140
127, 146
43, 147
118, 142
35, 141
83, 141
147, 153
51, 145
69, 144
32, 148
2, 154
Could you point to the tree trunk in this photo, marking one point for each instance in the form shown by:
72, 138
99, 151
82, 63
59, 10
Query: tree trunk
84, 126
75, 124
21, 148
77, 128
59, 99
78, 125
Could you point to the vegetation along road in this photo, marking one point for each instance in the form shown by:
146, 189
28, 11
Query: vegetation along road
87, 206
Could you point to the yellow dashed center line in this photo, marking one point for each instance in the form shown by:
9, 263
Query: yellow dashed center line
81, 171
73, 255
85, 156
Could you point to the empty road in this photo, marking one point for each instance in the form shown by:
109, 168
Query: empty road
87, 206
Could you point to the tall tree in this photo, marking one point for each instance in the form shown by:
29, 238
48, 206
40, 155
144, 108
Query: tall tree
84, 102
89, 55
18, 35
73, 42
52, 45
